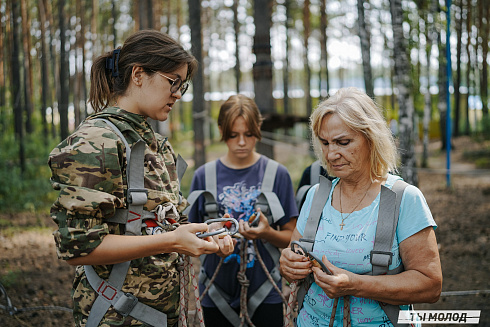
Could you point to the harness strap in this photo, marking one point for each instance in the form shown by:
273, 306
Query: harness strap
389, 209
209, 193
124, 303
267, 201
319, 200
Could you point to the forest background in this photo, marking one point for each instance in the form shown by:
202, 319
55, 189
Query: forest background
296, 52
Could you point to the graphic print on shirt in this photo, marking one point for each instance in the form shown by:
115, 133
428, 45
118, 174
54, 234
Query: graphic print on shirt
239, 202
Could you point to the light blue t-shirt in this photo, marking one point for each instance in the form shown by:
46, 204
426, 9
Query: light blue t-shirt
350, 249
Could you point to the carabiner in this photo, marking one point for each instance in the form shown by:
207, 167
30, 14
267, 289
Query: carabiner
254, 219
230, 227
317, 262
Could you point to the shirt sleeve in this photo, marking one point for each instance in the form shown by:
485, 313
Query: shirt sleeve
283, 187
87, 170
414, 215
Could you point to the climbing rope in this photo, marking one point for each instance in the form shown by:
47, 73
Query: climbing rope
188, 276
211, 281
245, 283
269, 276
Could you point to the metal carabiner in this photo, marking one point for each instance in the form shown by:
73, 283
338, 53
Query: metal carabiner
315, 260
230, 227
254, 219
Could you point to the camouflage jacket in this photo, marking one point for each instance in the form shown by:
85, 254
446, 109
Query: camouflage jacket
89, 170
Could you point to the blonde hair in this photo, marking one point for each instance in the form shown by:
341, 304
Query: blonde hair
239, 106
358, 111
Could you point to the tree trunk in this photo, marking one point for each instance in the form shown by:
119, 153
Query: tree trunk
44, 70
262, 68
236, 27
64, 90
3, 72
54, 65
145, 11
457, 82
199, 113
16, 85
469, 18
285, 77
429, 36
324, 82
442, 80
26, 37
405, 101
484, 9
306, 24
365, 38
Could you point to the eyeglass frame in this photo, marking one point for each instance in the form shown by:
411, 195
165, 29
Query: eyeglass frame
182, 87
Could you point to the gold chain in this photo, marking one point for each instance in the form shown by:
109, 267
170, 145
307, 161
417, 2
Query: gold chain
340, 197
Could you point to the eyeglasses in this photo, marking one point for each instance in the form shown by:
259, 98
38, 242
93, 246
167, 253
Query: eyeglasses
176, 84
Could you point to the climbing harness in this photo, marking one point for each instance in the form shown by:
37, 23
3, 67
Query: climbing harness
270, 206
380, 256
135, 218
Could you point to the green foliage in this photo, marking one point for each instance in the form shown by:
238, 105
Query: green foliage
29, 190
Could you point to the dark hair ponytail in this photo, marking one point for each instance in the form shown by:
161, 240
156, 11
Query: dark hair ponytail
149, 49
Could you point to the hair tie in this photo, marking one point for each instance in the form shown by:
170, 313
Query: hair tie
112, 63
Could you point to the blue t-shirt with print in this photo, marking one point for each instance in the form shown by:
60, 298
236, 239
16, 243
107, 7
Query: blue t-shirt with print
237, 191
350, 249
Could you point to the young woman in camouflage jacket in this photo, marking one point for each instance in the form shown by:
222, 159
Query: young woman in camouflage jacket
142, 79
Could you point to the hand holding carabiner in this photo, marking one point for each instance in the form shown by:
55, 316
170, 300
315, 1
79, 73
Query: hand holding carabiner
230, 227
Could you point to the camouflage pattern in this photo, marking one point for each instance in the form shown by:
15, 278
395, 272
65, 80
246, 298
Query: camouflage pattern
89, 170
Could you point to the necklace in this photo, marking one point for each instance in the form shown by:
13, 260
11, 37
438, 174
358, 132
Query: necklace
340, 198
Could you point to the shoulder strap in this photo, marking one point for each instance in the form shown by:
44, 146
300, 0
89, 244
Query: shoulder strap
269, 175
381, 255
318, 203
315, 172
389, 209
210, 193
267, 201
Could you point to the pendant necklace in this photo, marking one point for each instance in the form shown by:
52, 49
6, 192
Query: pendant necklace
340, 198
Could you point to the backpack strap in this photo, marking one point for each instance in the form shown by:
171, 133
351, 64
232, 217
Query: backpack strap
109, 292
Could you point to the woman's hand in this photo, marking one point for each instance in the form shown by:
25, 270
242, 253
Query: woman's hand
254, 233
225, 242
294, 266
339, 284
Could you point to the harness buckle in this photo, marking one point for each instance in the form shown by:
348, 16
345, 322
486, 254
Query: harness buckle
380, 261
137, 198
125, 304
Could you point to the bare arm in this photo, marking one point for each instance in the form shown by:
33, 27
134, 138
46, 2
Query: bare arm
119, 248
278, 238
421, 282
